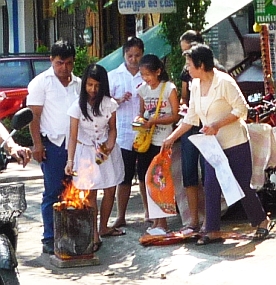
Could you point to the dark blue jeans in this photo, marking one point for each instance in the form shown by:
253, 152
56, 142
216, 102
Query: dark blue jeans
190, 157
54, 175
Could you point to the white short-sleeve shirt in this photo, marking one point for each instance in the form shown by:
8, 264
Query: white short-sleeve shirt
151, 97
95, 131
46, 90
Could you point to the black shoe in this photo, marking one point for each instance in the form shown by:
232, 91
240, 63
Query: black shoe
48, 248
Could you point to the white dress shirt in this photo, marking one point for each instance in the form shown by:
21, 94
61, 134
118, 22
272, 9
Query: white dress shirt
120, 82
46, 90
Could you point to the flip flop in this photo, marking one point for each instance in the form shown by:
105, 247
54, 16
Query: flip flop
97, 245
189, 229
262, 233
156, 231
114, 232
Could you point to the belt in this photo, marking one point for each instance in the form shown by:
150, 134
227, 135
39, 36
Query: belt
79, 142
44, 138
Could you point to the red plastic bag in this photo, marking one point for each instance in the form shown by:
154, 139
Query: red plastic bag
159, 182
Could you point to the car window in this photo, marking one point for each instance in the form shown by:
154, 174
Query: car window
40, 65
15, 73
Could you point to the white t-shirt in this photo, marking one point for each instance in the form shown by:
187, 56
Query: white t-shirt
121, 81
46, 90
151, 100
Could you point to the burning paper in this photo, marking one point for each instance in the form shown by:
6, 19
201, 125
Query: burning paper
73, 198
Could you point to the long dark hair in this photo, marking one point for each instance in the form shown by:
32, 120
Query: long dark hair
153, 63
98, 73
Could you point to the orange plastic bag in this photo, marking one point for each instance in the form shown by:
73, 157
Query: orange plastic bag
159, 182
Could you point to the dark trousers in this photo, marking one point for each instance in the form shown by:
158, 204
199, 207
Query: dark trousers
239, 158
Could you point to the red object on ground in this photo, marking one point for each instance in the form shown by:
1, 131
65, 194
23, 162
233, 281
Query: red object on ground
169, 238
12, 101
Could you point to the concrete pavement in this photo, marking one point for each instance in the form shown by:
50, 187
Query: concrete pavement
124, 261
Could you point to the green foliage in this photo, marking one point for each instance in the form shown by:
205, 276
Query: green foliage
82, 60
22, 137
42, 49
108, 3
71, 5
190, 14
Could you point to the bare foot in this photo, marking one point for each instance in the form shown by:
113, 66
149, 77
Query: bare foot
119, 223
264, 224
112, 232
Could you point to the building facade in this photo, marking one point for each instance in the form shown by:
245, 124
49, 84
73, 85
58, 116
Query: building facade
26, 25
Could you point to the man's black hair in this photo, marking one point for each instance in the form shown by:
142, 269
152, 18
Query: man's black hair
133, 42
63, 49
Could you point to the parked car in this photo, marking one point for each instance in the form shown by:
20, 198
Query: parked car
16, 71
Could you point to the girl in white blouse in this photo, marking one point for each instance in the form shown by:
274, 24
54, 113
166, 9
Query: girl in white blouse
92, 124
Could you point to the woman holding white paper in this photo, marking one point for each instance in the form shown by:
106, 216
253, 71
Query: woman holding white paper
219, 104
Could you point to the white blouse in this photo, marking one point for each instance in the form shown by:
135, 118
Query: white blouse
224, 97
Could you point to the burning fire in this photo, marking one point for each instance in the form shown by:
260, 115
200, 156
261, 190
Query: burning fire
73, 198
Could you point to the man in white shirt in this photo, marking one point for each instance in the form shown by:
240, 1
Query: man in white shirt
123, 84
51, 93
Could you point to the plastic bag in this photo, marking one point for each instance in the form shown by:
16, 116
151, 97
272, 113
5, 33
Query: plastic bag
159, 182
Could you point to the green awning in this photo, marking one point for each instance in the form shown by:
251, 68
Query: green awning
156, 44
153, 41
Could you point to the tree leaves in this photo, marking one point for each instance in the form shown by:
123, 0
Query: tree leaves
190, 14
71, 5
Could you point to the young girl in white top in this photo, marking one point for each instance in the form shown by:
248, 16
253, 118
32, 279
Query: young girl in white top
92, 124
154, 74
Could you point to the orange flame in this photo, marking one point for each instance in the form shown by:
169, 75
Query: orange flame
73, 198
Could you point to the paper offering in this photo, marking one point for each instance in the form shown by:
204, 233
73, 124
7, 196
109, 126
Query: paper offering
213, 153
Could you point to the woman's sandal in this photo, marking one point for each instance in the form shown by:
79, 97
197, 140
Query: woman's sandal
262, 233
189, 229
114, 232
157, 231
206, 240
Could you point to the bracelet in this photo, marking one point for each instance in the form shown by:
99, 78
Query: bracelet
70, 160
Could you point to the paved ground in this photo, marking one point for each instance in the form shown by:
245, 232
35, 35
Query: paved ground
124, 261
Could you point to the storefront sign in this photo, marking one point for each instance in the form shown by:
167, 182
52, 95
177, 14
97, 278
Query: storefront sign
146, 6
265, 11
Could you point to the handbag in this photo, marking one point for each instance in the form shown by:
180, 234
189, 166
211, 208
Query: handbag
143, 137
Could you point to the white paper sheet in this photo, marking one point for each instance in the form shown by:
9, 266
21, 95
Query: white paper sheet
213, 153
